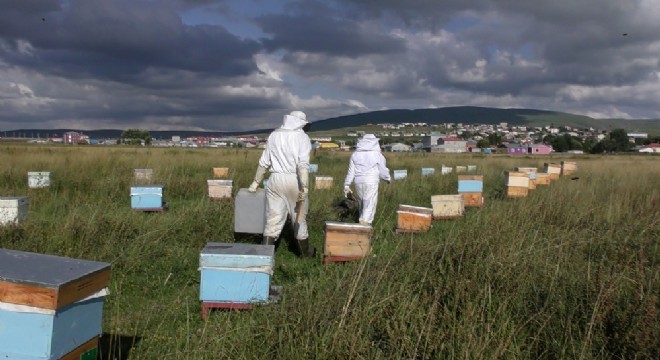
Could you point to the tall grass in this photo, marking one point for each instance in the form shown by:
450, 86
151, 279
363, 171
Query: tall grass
571, 271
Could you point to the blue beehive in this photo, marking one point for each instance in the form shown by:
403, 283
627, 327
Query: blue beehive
147, 197
428, 171
470, 186
236, 273
50, 306
313, 168
400, 174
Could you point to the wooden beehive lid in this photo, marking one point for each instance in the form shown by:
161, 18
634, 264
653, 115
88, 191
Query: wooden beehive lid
219, 182
415, 209
320, 177
38, 173
12, 201
48, 281
144, 171
347, 227
436, 198
471, 177
512, 173
237, 255
527, 169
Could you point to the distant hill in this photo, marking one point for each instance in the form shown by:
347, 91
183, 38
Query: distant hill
459, 114
482, 115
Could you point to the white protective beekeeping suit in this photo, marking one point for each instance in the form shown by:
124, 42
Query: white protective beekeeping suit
366, 168
287, 157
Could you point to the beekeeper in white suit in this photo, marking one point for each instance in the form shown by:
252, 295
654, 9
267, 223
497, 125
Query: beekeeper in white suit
287, 158
366, 168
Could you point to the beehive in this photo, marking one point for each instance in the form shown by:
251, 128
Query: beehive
472, 168
50, 307
413, 219
444, 170
345, 242
471, 187
220, 189
400, 174
553, 169
568, 167
313, 168
461, 169
220, 172
447, 206
235, 272
323, 182
147, 198
428, 171
143, 175
13, 209
250, 211
542, 179
532, 171
517, 184
38, 179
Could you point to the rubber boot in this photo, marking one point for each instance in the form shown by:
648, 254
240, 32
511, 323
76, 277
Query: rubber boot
305, 250
269, 240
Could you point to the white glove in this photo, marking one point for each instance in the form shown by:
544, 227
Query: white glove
253, 187
347, 191
302, 195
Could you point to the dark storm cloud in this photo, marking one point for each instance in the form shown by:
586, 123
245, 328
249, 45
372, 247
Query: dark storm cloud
315, 28
119, 39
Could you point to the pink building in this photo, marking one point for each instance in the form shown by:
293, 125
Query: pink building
72, 137
539, 149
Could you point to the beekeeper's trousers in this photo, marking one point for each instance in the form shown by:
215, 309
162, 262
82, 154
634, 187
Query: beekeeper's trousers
281, 196
368, 196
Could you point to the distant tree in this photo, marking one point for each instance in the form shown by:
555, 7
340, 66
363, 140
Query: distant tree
495, 139
483, 143
133, 137
620, 141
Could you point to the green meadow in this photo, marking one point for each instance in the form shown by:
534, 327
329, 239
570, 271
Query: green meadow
571, 271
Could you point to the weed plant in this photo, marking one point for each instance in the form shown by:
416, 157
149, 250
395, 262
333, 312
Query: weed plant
571, 271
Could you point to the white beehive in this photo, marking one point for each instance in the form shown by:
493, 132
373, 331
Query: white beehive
13, 209
38, 179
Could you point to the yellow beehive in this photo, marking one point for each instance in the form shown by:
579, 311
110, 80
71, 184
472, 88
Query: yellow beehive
543, 179
517, 184
568, 167
220, 172
532, 171
323, 182
345, 242
143, 175
553, 169
461, 169
447, 206
413, 219
220, 189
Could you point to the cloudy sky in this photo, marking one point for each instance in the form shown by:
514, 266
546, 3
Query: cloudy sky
241, 64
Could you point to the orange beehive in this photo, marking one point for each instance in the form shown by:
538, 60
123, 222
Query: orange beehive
543, 179
413, 219
568, 167
220, 172
345, 242
553, 169
517, 184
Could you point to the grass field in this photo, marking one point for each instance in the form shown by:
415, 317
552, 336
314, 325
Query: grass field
572, 271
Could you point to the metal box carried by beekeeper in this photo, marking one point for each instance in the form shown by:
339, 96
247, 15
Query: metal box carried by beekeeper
13, 209
51, 307
38, 179
400, 174
345, 241
568, 167
553, 169
220, 172
413, 219
471, 187
147, 198
235, 272
323, 182
250, 211
143, 175
517, 184
220, 189
447, 207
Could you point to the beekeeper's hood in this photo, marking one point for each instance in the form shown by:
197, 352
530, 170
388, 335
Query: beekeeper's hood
369, 142
296, 120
